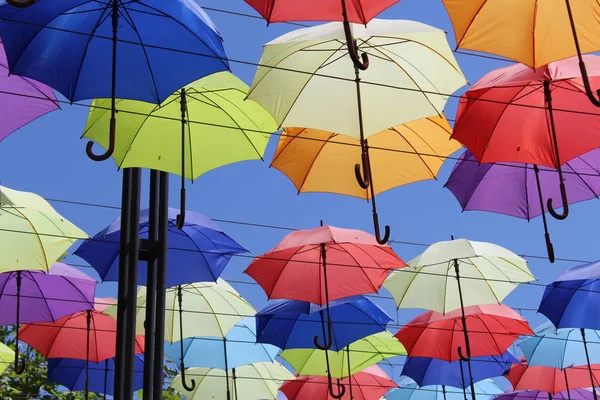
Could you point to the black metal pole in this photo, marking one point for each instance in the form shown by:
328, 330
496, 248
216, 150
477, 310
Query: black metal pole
151, 262
105, 377
444, 391
88, 321
466, 358
349, 373
131, 290
161, 287
228, 396
235, 392
549, 245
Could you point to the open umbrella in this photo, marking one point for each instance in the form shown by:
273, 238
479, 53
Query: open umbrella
203, 126
64, 45
407, 54
368, 384
292, 324
198, 252
524, 115
36, 296
550, 380
22, 100
575, 394
258, 381
71, 373
521, 189
485, 389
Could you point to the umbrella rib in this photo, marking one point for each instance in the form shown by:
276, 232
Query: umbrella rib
485, 280
37, 236
580, 177
312, 163
414, 149
203, 256
375, 290
412, 279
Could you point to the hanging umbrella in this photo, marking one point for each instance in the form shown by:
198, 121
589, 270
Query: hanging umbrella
65, 46
485, 389
321, 95
518, 114
548, 379
519, 189
6, 357
71, 373
320, 161
32, 234
531, 33
22, 100
324, 264
87, 335
575, 394
237, 348
258, 381
217, 127
208, 309
36, 296
197, 253
292, 324
369, 384
431, 371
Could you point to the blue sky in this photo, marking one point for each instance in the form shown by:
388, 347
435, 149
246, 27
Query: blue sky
48, 158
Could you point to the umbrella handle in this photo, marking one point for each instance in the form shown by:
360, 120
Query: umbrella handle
19, 364
352, 47
550, 248
21, 4
329, 339
189, 388
565, 202
181, 216
462, 356
386, 235
111, 144
362, 173
342, 389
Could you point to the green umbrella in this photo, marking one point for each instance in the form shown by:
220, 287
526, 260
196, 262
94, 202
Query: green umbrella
32, 234
205, 125
258, 381
7, 355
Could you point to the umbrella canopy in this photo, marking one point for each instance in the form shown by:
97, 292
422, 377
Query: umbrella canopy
358, 11
321, 96
209, 309
492, 330
363, 353
321, 161
531, 33
210, 352
575, 394
68, 337
22, 100
431, 371
550, 380
504, 116
512, 189
44, 296
7, 355
292, 324
356, 264
223, 128
32, 234
369, 384
489, 273
485, 389
79, 66
560, 348
569, 301
197, 253
258, 381
71, 374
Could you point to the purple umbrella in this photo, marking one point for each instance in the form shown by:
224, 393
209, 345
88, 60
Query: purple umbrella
36, 296
22, 100
575, 394
516, 189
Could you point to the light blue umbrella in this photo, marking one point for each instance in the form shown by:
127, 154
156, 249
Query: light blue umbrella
560, 348
239, 345
408, 390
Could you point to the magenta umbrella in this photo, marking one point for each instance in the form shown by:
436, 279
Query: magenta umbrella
22, 100
521, 190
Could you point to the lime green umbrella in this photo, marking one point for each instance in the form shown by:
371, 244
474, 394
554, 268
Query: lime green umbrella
32, 234
205, 125
362, 354
7, 355
258, 381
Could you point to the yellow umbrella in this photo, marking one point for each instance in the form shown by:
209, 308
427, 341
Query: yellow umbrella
320, 161
7, 355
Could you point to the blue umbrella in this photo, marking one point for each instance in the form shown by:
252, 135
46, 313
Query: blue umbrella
71, 374
431, 371
560, 348
485, 389
197, 253
139, 50
239, 345
292, 324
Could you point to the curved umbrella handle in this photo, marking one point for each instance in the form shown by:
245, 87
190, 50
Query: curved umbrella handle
19, 364
462, 356
341, 389
363, 62
563, 195
362, 172
328, 340
189, 388
21, 4
111, 144
386, 235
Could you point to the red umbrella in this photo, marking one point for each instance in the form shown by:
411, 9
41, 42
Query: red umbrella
518, 114
551, 380
323, 264
492, 329
369, 384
